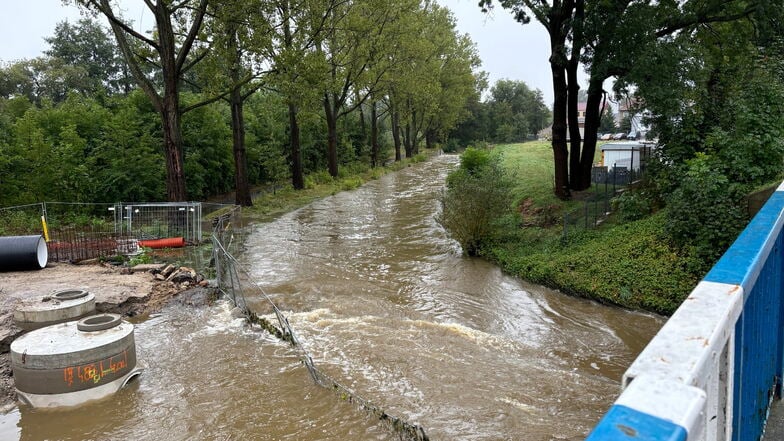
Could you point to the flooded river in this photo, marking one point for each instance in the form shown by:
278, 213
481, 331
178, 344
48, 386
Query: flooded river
384, 302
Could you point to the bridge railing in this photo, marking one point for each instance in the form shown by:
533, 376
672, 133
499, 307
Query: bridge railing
714, 368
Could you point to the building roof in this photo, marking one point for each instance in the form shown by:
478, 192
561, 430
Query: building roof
627, 146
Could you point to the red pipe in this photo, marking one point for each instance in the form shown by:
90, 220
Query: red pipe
170, 242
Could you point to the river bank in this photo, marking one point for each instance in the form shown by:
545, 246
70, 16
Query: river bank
121, 290
628, 264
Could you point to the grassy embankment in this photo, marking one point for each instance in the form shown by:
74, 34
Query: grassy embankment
270, 205
630, 264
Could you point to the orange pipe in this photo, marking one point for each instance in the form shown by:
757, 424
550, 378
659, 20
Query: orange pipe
170, 242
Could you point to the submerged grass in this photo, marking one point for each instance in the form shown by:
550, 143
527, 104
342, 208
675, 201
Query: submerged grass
270, 205
627, 264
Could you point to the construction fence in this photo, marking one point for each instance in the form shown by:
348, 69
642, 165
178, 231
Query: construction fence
77, 231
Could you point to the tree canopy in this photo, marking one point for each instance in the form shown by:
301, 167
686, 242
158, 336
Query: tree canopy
226, 95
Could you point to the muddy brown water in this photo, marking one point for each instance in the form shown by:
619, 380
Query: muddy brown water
384, 302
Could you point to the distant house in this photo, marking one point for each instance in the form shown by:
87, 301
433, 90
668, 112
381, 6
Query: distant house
581, 107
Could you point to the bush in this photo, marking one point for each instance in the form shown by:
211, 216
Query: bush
419, 157
632, 206
451, 146
706, 212
477, 196
318, 178
350, 183
474, 160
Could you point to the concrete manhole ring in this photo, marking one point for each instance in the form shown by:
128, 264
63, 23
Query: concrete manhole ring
98, 322
69, 294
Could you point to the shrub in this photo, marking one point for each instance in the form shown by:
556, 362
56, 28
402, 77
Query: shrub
632, 206
705, 211
350, 183
318, 178
477, 196
419, 157
451, 146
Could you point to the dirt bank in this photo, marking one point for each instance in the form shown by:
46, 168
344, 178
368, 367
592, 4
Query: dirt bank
117, 290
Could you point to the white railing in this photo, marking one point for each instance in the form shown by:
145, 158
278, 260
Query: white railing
713, 369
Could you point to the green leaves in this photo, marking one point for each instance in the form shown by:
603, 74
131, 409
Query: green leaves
476, 197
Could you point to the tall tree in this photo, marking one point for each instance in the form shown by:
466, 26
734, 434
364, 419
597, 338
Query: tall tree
295, 27
516, 110
557, 18
232, 71
431, 79
617, 35
353, 46
177, 27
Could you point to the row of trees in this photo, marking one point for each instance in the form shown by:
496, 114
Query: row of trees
328, 82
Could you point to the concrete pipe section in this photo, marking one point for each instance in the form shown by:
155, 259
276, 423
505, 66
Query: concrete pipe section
71, 363
19, 253
61, 306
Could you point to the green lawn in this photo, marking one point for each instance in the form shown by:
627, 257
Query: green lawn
629, 264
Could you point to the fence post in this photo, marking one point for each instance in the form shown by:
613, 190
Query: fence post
585, 210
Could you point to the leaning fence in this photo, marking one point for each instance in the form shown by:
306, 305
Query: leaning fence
235, 282
713, 370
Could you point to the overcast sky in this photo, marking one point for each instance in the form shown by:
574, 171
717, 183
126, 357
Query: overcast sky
508, 49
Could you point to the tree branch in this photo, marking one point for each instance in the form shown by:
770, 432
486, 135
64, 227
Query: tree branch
192, 34
105, 8
702, 18
130, 58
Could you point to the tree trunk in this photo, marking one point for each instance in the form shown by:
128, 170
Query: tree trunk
560, 152
429, 139
172, 145
414, 133
593, 117
332, 137
362, 128
373, 135
170, 112
236, 101
241, 185
407, 140
558, 32
396, 133
575, 172
575, 139
295, 152
297, 173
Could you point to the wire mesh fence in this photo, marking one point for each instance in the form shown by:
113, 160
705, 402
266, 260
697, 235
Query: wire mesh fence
607, 184
234, 281
147, 221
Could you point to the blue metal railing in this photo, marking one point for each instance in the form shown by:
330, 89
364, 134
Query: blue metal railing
713, 369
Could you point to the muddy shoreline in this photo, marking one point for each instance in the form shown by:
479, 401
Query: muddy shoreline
129, 292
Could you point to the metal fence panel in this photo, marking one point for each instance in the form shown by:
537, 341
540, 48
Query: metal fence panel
162, 220
77, 231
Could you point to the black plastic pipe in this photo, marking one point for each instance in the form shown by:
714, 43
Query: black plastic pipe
19, 253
